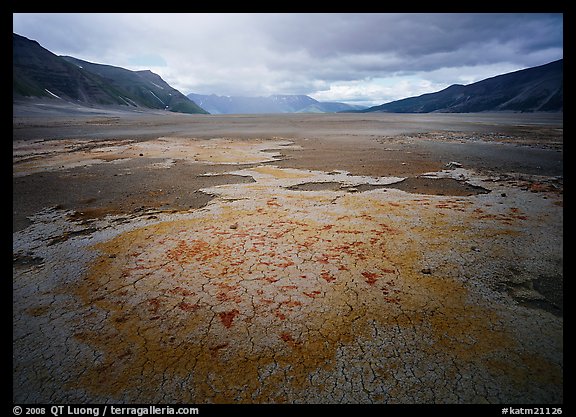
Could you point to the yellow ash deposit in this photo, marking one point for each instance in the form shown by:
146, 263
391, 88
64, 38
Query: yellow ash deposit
284, 296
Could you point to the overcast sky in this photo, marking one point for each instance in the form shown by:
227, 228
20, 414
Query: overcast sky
355, 58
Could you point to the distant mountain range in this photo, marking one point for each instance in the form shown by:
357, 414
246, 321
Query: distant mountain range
272, 104
37, 72
532, 89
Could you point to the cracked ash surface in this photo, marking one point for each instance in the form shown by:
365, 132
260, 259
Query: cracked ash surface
298, 286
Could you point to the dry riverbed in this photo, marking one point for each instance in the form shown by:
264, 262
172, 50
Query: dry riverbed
304, 259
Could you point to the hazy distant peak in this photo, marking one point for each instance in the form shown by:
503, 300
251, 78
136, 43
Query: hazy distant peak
275, 103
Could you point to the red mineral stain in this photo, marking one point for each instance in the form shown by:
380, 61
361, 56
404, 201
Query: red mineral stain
226, 296
181, 291
291, 303
196, 250
327, 276
154, 304
371, 277
287, 337
280, 315
312, 294
137, 268
538, 187
226, 287
187, 306
351, 232
388, 229
226, 317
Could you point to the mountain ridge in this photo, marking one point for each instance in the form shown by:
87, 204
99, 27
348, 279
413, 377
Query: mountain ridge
537, 88
276, 103
37, 72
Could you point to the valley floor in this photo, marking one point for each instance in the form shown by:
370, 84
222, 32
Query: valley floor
354, 258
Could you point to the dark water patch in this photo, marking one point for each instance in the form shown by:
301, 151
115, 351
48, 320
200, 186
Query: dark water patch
335, 186
69, 234
317, 186
26, 260
542, 305
142, 205
438, 186
415, 185
119, 188
552, 288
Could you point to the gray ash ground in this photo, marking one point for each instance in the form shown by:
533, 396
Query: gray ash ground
287, 258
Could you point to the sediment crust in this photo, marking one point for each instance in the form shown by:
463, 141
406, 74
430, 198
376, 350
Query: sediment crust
287, 283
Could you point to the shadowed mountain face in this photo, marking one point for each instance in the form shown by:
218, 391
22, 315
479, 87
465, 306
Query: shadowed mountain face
278, 103
533, 89
38, 72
